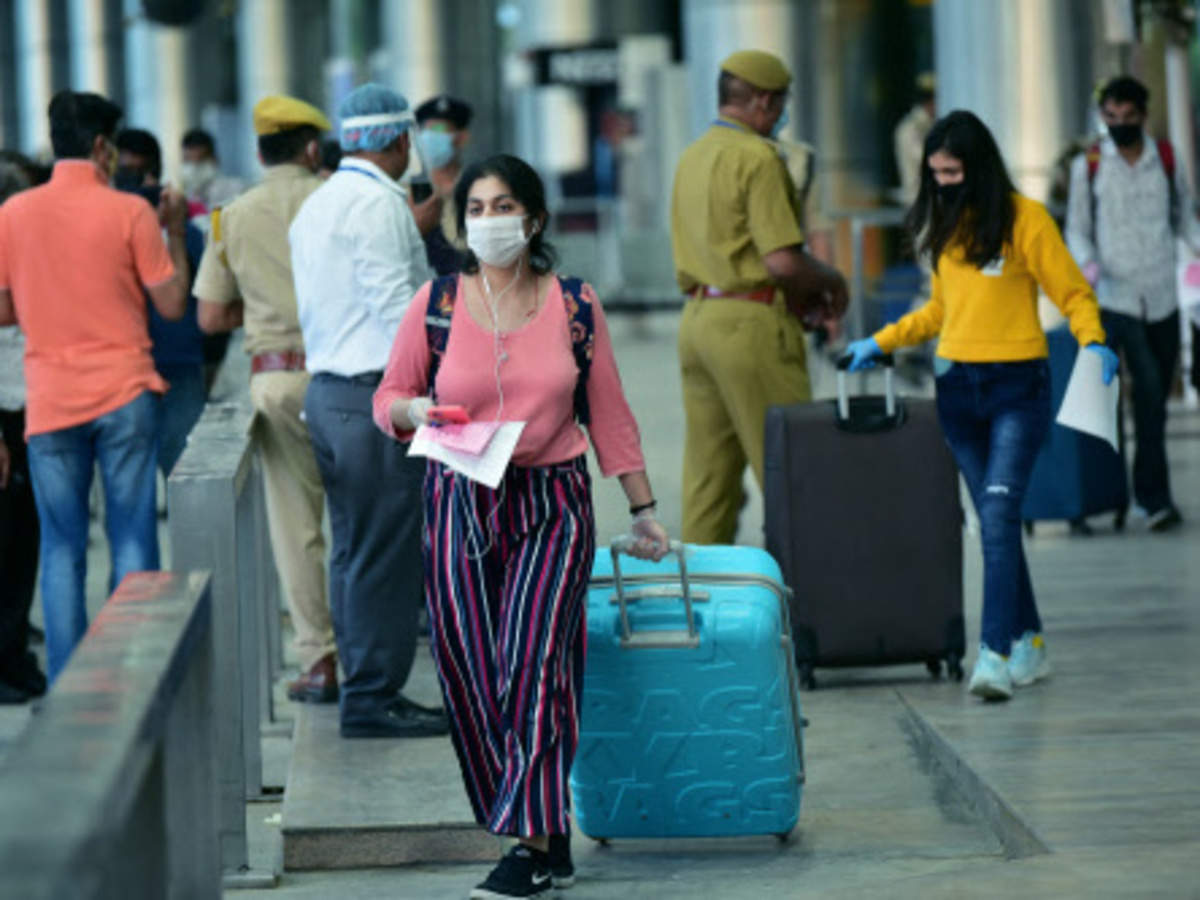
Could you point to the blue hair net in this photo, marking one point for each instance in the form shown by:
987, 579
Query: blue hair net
372, 117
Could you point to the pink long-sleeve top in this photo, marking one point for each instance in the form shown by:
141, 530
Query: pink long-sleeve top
538, 375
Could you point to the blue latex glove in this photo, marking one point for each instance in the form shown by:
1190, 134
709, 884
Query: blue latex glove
864, 354
1110, 360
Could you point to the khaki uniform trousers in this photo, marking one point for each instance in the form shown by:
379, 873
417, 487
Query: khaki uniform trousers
295, 505
737, 357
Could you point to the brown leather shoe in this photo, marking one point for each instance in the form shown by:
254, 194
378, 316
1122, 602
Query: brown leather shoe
318, 685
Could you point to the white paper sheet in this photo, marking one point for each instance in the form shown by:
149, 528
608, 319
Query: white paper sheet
486, 468
1090, 405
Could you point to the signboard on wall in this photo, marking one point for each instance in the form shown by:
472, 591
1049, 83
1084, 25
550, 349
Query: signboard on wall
577, 66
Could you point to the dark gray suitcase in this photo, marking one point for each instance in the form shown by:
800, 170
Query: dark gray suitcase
863, 515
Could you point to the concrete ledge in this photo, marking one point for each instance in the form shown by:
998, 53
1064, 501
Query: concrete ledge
1016, 836
370, 848
366, 803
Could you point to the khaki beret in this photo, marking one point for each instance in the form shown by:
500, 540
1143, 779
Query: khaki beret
279, 113
758, 68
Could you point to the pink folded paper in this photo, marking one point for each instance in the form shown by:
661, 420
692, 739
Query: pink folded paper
471, 438
1191, 275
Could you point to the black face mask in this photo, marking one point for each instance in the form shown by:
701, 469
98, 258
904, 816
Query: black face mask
128, 178
948, 194
1125, 135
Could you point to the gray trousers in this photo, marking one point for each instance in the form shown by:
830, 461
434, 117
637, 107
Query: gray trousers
376, 585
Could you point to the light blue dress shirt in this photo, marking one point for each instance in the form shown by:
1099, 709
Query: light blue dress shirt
357, 261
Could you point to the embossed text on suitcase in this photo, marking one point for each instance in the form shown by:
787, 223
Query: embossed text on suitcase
691, 722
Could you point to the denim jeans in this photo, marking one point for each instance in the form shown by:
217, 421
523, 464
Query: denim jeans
1151, 350
124, 443
995, 417
179, 409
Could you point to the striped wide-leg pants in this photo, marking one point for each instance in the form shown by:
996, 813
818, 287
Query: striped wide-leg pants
506, 575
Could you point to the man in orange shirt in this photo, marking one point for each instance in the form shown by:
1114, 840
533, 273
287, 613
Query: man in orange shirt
75, 256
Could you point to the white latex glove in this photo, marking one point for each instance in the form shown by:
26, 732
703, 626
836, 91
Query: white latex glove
418, 411
651, 540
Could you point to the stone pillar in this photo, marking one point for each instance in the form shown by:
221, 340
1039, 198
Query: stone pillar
156, 85
34, 74
1022, 66
89, 49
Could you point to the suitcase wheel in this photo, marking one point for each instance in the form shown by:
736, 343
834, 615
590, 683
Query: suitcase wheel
807, 678
1028, 523
782, 836
603, 842
935, 668
954, 666
1119, 521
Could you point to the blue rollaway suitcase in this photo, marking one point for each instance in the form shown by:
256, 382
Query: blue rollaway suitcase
1075, 474
691, 722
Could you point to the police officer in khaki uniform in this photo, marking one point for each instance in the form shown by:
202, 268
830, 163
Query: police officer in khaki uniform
246, 274
739, 255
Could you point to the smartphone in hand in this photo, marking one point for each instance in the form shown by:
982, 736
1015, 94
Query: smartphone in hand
448, 415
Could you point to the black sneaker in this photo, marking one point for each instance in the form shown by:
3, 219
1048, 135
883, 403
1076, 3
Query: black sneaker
524, 872
1165, 519
562, 870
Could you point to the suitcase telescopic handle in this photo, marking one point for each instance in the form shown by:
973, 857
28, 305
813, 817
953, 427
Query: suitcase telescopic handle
888, 361
690, 638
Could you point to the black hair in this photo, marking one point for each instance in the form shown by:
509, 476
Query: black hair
331, 154
141, 143
981, 218
527, 189
77, 119
13, 179
285, 146
198, 137
34, 171
1125, 89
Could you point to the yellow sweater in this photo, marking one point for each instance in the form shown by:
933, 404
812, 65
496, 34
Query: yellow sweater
990, 314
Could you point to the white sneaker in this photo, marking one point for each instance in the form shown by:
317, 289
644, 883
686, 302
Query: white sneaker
1028, 662
991, 680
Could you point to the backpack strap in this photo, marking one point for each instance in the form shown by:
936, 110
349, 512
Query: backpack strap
1166, 155
1091, 157
442, 293
581, 320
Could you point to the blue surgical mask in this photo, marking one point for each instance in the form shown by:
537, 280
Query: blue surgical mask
437, 147
780, 123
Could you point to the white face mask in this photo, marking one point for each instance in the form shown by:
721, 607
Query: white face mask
194, 177
497, 240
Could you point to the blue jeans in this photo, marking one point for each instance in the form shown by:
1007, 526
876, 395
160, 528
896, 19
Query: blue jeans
995, 417
181, 406
124, 443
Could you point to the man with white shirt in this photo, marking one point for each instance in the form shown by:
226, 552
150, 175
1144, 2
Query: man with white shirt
357, 259
1128, 204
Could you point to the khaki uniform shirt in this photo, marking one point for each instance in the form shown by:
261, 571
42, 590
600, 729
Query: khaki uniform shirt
732, 204
247, 257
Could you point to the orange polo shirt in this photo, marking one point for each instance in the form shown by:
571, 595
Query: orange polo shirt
76, 255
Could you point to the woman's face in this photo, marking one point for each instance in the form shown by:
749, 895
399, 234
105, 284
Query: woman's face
946, 169
489, 196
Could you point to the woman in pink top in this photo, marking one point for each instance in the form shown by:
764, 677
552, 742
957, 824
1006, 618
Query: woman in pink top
506, 571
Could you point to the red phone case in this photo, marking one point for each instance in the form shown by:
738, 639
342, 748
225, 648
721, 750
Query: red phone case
448, 415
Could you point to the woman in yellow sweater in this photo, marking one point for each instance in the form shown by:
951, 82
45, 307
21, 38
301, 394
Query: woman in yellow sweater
990, 249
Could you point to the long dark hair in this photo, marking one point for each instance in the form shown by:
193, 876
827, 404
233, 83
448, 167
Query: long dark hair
526, 188
981, 219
